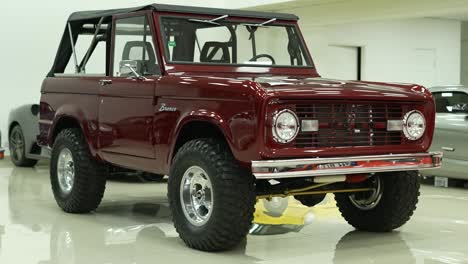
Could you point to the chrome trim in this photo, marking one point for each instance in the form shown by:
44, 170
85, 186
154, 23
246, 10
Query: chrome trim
405, 125
273, 127
448, 149
259, 167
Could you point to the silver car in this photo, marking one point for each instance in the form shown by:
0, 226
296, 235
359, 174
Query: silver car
23, 128
451, 133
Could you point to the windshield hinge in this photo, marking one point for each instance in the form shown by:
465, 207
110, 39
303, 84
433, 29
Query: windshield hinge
212, 21
262, 24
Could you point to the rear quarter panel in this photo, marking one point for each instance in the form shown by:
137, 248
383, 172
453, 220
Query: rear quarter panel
75, 98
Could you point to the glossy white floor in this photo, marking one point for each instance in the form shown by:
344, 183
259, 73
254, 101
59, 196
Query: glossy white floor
133, 225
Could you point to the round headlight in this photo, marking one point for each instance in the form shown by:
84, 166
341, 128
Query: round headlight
414, 125
285, 126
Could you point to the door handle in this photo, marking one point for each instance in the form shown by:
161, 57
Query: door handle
105, 82
448, 149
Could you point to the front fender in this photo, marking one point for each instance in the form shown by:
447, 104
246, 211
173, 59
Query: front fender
239, 131
201, 116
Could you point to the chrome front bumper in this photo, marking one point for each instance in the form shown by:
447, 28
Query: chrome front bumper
292, 168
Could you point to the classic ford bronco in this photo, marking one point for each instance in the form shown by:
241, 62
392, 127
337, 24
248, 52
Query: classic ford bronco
230, 106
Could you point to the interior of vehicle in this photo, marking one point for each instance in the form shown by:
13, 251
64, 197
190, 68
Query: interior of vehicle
226, 42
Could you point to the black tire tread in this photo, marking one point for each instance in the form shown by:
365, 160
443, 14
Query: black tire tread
398, 202
90, 176
230, 223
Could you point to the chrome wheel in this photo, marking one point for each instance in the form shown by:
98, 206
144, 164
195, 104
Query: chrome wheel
196, 196
16, 144
65, 170
368, 200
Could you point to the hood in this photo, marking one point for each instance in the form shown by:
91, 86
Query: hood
335, 89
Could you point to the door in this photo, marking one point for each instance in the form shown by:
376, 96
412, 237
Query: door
127, 98
451, 134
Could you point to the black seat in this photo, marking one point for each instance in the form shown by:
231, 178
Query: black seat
215, 52
441, 105
149, 64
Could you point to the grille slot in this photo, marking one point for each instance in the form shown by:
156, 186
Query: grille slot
349, 125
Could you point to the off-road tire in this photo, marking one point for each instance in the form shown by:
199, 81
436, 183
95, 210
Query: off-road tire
90, 176
396, 206
233, 193
20, 161
310, 200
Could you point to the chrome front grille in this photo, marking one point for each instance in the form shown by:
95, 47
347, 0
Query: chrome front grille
349, 124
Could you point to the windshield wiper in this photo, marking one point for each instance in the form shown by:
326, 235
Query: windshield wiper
262, 24
212, 21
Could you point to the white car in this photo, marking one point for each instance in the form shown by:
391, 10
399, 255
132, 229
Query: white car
451, 131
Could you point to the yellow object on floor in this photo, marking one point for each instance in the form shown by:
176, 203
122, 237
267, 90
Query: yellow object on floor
289, 211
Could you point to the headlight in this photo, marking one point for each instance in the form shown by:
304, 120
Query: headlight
285, 126
414, 125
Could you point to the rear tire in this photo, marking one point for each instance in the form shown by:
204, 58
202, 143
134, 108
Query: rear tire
18, 148
389, 210
228, 197
78, 180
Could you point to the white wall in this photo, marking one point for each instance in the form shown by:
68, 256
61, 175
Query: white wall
425, 51
464, 54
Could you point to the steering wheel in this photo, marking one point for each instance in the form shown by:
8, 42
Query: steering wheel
255, 58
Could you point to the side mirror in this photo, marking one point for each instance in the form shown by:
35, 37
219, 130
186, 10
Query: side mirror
131, 68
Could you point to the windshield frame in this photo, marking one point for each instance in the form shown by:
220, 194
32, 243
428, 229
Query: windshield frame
285, 23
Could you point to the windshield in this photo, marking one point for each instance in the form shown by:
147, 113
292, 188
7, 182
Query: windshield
233, 43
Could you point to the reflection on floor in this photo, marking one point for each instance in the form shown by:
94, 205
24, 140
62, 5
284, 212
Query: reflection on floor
133, 225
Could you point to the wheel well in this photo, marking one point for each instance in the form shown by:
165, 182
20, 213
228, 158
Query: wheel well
64, 123
197, 129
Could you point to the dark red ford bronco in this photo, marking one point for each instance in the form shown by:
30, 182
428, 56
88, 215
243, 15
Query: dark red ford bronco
230, 106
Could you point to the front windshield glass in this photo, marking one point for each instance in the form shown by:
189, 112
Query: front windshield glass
232, 43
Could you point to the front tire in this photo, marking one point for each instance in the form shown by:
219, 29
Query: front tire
388, 207
212, 198
78, 180
18, 148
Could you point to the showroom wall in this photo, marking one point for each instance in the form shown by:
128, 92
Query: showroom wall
425, 51
464, 53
